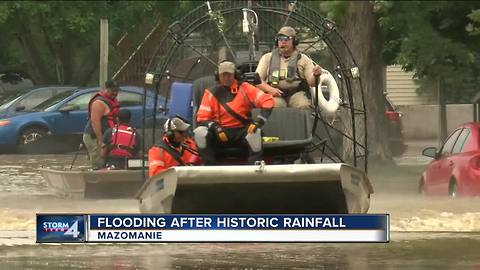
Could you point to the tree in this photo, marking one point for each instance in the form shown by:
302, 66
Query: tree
362, 32
438, 40
58, 42
358, 22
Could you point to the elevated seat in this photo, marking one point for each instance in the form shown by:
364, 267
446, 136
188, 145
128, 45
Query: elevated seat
199, 86
180, 101
290, 125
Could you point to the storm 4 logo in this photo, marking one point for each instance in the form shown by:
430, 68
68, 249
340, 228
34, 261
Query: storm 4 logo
60, 228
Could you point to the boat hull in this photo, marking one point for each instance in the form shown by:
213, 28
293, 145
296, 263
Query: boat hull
93, 184
271, 189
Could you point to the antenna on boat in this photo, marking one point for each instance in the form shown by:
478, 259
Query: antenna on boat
249, 27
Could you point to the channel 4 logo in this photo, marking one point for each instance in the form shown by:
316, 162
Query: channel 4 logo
60, 228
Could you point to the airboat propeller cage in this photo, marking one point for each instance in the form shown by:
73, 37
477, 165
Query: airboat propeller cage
257, 189
213, 32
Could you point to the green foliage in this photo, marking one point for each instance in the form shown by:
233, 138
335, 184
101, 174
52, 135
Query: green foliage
474, 26
218, 19
434, 39
54, 40
334, 10
437, 41
58, 41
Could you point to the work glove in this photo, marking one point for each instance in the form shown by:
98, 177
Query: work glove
222, 136
218, 130
252, 127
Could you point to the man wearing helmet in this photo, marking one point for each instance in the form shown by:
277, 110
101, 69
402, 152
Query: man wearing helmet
286, 73
175, 148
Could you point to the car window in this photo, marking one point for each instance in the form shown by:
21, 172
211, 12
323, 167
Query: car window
447, 146
9, 97
81, 102
57, 90
7, 105
35, 98
461, 141
47, 104
129, 99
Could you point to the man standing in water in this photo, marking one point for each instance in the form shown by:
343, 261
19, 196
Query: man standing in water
102, 113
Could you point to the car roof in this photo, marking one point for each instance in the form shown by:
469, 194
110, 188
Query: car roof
36, 88
471, 125
128, 88
44, 87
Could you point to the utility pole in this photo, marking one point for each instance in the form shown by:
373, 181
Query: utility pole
103, 68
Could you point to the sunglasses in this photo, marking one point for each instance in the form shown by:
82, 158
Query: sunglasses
284, 38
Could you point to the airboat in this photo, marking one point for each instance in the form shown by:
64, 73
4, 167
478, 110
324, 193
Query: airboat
318, 161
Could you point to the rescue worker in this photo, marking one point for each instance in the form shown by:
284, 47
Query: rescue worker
224, 116
175, 149
102, 111
120, 142
286, 73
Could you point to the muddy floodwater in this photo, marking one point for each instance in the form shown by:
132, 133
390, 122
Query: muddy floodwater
426, 233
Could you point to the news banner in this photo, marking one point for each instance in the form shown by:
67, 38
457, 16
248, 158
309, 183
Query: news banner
82, 228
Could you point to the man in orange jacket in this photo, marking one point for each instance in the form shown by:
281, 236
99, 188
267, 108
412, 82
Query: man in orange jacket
175, 149
224, 116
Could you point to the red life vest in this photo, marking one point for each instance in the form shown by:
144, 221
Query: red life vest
123, 141
112, 105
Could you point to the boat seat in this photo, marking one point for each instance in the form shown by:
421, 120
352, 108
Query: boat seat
180, 101
199, 86
290, 125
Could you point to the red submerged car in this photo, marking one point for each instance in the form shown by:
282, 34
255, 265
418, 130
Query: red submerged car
455, 170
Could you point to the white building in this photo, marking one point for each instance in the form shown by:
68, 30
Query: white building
402, 89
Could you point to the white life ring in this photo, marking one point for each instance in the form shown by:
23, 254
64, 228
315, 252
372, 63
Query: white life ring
331, 105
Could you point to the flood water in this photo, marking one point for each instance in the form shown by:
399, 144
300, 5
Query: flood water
427, 233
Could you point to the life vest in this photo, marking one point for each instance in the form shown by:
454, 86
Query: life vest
123, 141
108, 120
160, 159
240, 99
287, 80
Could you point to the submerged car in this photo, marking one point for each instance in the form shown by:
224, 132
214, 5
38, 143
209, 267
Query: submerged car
455, 169
65, 115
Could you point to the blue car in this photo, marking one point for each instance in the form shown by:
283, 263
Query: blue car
66, 115
25, 100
